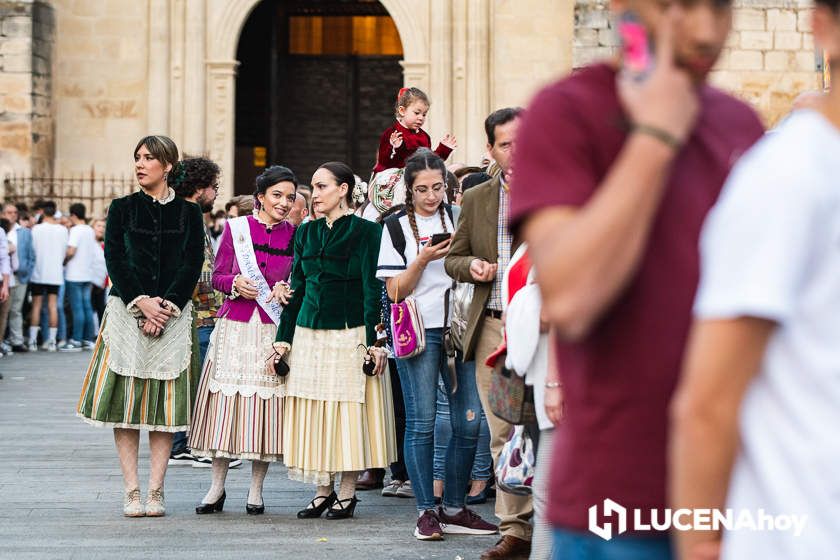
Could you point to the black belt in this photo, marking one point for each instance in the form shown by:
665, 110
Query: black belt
493, 313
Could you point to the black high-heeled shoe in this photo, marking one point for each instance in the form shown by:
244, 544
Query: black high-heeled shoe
317, 510
215, 507
251, 509
343, 511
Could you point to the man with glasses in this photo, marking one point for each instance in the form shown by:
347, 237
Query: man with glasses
197, 180
479, 254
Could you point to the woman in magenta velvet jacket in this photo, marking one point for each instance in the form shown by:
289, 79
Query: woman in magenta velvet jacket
239, 407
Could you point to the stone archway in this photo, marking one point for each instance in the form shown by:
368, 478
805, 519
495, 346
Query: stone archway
225, 26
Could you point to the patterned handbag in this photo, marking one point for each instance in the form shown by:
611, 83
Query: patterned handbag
407, 332
516, 464
510, 398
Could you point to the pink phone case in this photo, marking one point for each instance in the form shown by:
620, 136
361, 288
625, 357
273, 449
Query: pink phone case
636, 53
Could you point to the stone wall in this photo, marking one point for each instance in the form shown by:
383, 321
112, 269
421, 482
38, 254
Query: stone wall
770, 56
528, 50
594, 37
123, 69
43, 118
26, 124
100, 83
768, 60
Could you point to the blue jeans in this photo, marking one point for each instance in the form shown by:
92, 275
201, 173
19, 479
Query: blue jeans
79, 295
419, 378
61, 334
179, 440
572, 545
483, 464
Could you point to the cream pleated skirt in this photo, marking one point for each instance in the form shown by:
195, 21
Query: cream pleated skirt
325, 436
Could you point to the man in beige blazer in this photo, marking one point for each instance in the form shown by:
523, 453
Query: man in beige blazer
479, 253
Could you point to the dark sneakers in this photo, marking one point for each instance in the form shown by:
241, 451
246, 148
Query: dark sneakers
428, 527
181, 457
465, 522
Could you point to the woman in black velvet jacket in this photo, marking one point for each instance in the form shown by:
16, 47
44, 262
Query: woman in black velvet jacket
144, 373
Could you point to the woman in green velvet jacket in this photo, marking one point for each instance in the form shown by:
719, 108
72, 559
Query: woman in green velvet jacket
144, 370
336, 419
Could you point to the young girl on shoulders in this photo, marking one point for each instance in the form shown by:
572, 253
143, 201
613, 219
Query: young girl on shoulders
406, 135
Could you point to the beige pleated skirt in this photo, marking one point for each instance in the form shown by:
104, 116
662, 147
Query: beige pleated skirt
325, 437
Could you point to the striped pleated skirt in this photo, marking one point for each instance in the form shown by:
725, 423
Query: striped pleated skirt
325, 437
119, 401
238, 412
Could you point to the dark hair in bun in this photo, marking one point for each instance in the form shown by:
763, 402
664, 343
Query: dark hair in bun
343, 174
273, 175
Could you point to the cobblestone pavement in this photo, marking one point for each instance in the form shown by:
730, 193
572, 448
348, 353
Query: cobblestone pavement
61, 493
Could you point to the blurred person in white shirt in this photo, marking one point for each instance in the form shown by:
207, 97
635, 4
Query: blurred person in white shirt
8, 250
99, 290
49, 238
756, 413
78, 276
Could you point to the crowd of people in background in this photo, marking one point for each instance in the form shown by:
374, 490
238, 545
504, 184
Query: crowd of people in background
250, 283
54, 278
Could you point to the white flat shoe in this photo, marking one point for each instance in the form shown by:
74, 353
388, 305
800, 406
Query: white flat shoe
132, 506
155, 506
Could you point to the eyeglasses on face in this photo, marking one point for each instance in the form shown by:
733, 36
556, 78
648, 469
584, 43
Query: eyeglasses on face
437, 189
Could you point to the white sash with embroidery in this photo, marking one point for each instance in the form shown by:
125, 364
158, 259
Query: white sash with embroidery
244, 248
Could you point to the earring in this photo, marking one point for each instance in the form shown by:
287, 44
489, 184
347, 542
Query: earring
165, 175
341, 204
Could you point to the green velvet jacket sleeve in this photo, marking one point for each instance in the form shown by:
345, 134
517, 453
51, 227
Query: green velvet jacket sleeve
288, 320
371, 285
117, 260
181, 289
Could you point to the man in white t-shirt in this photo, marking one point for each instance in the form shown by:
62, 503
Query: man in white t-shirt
78, 275
49, 239
758, 409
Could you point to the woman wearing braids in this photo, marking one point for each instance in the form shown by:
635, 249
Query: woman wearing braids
144, 369
409, 261
337, 419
